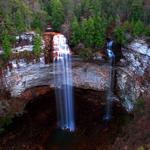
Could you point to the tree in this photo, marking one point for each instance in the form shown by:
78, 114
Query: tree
137, 10
119, 35
100, 25
88, 31
138, 28
6, 46
36, 23
57, 14
37, 45
20, 24
147, 30
75, 35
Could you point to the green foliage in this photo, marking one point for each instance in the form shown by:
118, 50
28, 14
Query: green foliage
137, 10
119, 35
147, 31
93, 32
37, 45
6, 46
127, 27
86, 54
41, 18
57, 14
100, 26
36, 23
76, 35
138, 28
89, 23
88, 31
20, 24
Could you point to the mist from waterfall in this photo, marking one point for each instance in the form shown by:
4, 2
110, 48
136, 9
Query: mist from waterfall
63, 84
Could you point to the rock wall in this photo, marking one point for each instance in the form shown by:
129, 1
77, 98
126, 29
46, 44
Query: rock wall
28, 81
133, 79
24, 81
85, 75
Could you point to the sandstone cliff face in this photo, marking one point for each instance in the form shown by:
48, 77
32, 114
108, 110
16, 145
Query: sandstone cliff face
133, 80
85, 75
24, 81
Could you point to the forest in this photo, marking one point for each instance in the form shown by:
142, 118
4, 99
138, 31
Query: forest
83, 21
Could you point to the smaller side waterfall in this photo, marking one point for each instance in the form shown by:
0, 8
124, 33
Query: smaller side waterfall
109, 90
63, 83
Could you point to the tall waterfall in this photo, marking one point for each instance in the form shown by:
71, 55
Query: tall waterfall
63, 83
109, 90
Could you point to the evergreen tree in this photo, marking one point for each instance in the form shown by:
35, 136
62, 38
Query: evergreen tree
96, 7
100, 25
6, 46
20, 25
75, 36
119, 35
36, 23
137, 10
57, 14
147, 31
138, 28
88, 31
37, 45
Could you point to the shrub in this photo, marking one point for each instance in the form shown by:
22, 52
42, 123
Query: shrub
37, 45
86, 54
119, 35
6, 46
138, 28
126, 26
147, 31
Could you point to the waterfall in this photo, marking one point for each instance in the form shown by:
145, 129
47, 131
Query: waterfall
109, 90
63, 83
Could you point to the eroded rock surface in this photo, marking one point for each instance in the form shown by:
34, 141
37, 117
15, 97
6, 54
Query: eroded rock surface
85, 75
133, 77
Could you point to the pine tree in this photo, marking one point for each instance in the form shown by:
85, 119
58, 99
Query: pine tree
36, 23
137, 10
88, 31
6, 46
75, 36
20, 25
138, 28
119, 35
100, 25
37, 45
57, 14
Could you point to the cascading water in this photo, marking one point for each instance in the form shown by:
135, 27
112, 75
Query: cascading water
63, 83
109, 90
